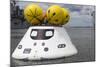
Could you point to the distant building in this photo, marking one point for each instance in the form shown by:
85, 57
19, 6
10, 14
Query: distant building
17, 17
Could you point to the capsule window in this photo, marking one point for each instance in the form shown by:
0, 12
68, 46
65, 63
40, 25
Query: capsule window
49, 33
34, 33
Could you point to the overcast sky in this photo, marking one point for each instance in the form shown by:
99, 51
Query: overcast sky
81, 15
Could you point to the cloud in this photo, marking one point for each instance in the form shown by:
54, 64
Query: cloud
78, 20
87, 10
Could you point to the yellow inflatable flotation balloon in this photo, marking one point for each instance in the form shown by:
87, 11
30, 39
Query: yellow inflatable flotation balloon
66, 16
54, 15
33, 14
